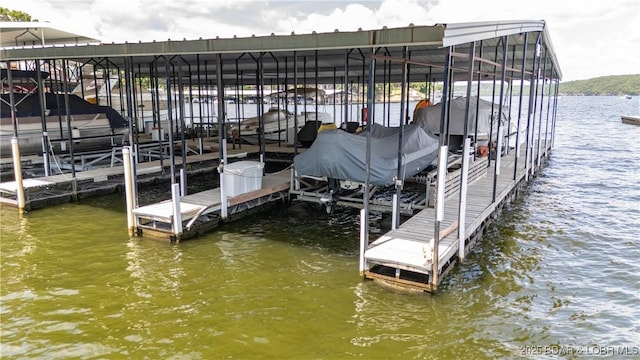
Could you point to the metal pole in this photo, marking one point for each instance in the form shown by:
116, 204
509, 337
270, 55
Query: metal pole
133, 126
172, 160
462, 205
345, 87
493, 97
222, 155
127, 87
295, 102
544, 75
546, 127
467, 105
535, 83
200, 107
462, 202
475, 130
395, 220
555, 110
522, 73
260, 97
43, 119
181, 119
505, 48
406, 109
68, 116
222, 141
510, 96
442, 172
364, 213
333, 101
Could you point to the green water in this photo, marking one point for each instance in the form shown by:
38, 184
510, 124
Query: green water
556, 275
74, 284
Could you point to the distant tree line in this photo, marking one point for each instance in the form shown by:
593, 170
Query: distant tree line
14, 15
604, 85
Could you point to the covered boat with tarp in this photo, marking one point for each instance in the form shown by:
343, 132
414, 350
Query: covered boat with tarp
337, 154
487, 114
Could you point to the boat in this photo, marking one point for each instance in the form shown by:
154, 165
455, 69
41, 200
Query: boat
487, 114
338, 154
92, 126
278, 125
107, 91
632, 120
627, 96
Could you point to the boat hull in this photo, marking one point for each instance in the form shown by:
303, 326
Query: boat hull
89, 131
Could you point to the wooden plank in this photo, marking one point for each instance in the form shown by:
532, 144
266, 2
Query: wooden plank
12, 186
394, 247
210, 200
163, 211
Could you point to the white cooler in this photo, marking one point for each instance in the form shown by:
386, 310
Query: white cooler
242, 177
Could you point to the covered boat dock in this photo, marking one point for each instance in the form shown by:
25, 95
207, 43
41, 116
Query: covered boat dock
512, 61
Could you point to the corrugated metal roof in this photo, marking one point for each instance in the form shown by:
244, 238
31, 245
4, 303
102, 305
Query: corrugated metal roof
19, 34
323, 53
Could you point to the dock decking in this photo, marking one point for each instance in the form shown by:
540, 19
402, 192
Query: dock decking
403, 257
55, 189
200, 211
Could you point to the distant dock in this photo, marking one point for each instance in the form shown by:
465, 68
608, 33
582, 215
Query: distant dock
632, 120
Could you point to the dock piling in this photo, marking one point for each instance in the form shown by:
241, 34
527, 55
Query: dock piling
129, 187
223, 192
177, 215
17, 169
363, 241
183, 182
394, 214
442, 174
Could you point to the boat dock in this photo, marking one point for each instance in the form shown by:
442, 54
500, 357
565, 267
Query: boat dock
403, 257
61, 188
201, 212
511, 62
632, 120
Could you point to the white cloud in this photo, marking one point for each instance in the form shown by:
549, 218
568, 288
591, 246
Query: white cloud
350, 18
591, 37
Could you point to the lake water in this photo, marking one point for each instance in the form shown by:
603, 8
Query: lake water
557, 274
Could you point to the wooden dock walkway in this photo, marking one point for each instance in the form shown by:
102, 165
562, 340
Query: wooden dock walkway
403, 256
56, 189
200, 212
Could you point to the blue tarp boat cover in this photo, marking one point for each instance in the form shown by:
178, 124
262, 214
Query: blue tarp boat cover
340, 155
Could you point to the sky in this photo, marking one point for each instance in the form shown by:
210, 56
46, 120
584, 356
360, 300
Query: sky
591, 37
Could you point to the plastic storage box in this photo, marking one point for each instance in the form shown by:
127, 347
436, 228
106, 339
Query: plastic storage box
242, 177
